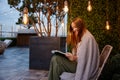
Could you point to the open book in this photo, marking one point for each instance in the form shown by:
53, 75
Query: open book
57, 51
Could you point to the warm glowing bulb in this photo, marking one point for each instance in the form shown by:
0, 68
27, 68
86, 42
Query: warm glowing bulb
107, 25
62, 24
89, 8
25, 19
65, 6
66, 9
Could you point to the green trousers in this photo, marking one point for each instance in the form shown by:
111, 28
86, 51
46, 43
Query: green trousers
59, 64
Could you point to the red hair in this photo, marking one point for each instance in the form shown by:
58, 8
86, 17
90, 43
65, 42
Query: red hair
71, 39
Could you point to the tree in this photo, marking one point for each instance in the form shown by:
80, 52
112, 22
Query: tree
42, 14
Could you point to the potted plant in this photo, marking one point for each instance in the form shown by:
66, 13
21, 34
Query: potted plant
46, 16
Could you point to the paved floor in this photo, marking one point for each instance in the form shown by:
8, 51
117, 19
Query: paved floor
14, 65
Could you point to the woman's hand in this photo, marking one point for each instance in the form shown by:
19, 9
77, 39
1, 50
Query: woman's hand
70, 56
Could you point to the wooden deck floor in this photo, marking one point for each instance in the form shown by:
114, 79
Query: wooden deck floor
14, 65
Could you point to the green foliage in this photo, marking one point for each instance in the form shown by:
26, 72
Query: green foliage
96, 22
13, 2
112, 69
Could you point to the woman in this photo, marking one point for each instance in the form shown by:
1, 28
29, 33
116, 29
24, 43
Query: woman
84, 58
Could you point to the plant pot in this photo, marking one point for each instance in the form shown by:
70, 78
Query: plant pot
24, 35
40, 50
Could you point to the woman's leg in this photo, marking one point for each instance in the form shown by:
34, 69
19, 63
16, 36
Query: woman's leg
60, 64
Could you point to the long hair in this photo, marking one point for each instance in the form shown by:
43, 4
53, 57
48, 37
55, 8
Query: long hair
71, 39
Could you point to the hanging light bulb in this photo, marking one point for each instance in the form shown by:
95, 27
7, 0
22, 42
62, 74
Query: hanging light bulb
25, 16
107, 22
89, 8
107, 25
62, 24
25, 19
65, 6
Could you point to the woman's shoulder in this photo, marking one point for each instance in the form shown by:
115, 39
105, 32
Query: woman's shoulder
87, 35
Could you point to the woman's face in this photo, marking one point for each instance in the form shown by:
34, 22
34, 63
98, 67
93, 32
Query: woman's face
74, 28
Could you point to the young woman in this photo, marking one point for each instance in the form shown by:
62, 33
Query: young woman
84, 58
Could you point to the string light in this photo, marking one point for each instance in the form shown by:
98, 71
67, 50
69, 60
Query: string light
25, 16
107, 25
107, 22
62, 24
89, 7
65, 6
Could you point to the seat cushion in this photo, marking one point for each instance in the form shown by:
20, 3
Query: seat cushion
67, 76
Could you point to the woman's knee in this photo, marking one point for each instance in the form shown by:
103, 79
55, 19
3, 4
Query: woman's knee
56, 58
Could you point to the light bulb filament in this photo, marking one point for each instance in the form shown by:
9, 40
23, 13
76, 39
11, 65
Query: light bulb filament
25, 19
65, 6
107, 25
89, 8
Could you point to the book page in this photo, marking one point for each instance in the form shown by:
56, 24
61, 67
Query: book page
57, 51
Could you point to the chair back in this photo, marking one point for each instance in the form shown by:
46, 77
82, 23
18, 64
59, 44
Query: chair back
103, 58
